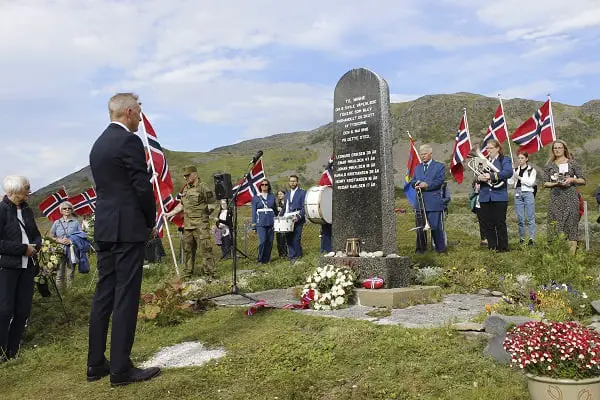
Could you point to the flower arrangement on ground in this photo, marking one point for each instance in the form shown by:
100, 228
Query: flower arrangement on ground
330, 287
49, 257
560, 350
556, 302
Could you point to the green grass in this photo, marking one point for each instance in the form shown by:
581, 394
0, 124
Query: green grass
288, 355
278, 354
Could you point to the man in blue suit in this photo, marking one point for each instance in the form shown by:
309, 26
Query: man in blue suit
493, 197
429, 177
294, 204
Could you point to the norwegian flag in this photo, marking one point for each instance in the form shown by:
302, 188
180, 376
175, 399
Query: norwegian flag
84, 203
462, 148
537, 131
156, 157
49, 206
327, 176
497, 130
249, 186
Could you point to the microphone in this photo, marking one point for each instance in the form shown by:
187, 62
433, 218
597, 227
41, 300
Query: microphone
257, 156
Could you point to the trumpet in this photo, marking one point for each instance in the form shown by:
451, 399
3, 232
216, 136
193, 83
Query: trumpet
480, 165
421, 204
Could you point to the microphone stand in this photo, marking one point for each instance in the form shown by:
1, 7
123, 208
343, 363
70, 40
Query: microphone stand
234, 288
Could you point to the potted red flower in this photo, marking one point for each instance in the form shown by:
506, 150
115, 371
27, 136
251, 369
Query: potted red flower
561, 359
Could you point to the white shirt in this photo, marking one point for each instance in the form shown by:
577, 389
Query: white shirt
527, 180
24, 238
224, 227
120, 124
287, 205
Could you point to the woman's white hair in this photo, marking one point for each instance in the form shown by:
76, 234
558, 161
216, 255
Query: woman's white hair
66, 204
14, 184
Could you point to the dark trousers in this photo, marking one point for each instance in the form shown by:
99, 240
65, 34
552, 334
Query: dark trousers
481, 224
438, 236
117, 293
16, 294
266, 235
281, 244
326, 245
226, 243
294, 242
494, 223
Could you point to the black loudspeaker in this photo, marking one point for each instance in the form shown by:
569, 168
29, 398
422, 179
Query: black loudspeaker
223, 188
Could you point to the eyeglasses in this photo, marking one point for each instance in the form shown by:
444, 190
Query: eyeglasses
67, 209
264, 184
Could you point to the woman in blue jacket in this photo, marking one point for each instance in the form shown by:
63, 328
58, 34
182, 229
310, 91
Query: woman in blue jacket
493, 197
263, 219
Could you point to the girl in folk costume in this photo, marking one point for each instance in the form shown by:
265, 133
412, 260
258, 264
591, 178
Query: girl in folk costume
493, 197
562, 174
523, 182
263, 220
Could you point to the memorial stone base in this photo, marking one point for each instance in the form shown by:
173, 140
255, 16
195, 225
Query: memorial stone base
395, 271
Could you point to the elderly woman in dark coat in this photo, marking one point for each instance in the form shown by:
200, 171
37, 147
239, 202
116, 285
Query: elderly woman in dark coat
20, 241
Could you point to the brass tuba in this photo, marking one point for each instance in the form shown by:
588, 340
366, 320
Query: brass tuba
480, 165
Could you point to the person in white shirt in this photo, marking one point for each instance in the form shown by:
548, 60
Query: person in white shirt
20, 240
523, 182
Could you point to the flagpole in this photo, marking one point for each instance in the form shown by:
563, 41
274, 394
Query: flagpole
157, 186
412, 140
554, 137
467, 128
512, 157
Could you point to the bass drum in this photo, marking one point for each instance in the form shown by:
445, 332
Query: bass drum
318, 204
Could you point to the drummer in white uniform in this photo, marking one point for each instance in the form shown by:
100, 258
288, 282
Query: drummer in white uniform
263, 219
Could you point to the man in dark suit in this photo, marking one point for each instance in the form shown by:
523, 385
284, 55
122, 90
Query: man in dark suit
294, 204
429, 177
125, 215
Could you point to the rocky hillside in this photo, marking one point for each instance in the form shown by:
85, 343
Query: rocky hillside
433, 119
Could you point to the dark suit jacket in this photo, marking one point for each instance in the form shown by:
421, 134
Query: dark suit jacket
432, 196
125, 207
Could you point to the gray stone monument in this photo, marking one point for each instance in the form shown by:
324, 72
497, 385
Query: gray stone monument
363, 182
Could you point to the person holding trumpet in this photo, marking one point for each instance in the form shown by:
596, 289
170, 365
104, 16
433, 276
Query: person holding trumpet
493, 195
427, 180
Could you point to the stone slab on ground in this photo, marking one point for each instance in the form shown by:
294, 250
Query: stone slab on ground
452, 309
396, 271
186, 354
397, 297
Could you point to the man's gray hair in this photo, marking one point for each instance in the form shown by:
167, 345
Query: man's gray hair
120, 102
14, 184
426, 148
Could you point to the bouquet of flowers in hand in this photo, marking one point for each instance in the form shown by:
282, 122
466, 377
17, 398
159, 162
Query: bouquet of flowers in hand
564, 350
331, 287
48, 258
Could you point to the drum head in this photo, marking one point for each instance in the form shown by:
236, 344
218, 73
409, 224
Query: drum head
318, 204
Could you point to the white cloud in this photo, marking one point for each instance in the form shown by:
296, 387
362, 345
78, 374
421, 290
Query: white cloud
217, 63
535, 89
579, 68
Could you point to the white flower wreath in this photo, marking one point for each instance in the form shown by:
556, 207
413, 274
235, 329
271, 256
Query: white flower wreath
332, 287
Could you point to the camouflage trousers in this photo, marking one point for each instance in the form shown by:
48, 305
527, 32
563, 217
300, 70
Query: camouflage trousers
197, 242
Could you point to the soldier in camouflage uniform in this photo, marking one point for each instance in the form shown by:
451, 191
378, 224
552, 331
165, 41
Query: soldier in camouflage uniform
197, 202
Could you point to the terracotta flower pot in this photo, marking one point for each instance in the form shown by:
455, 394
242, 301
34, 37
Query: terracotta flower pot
545, 388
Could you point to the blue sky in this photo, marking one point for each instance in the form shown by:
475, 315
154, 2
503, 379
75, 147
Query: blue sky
212, 73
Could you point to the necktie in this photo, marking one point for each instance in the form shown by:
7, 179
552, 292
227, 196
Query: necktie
425, 167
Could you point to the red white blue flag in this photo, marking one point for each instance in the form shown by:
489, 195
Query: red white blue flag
249, 186
462, 148
327, 176
49, 206
497, 130
537, 131
84, 203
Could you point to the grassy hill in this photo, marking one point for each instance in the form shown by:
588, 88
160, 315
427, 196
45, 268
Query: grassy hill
433, 119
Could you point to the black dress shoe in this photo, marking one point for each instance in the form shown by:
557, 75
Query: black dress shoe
134, 375
97, 373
